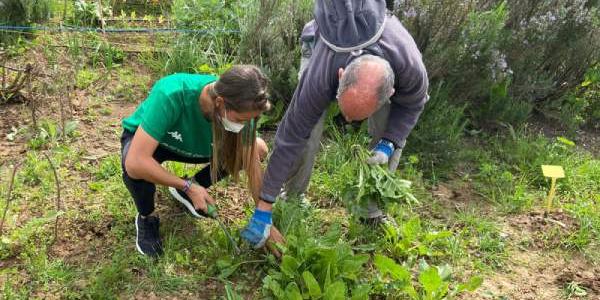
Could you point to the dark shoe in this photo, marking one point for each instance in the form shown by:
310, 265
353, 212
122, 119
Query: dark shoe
183, 198
380, 220
147, 239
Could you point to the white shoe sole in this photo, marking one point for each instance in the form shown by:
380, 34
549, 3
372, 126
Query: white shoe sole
137, 235
183, 201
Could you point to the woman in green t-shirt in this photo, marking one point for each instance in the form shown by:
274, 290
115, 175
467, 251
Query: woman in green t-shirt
198, 119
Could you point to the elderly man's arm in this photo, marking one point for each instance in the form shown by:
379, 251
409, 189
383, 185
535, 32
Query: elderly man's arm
309, 102
312, 97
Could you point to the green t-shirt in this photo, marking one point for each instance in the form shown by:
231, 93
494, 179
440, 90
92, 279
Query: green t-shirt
171, 114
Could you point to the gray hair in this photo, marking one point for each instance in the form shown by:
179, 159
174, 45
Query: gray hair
350, 77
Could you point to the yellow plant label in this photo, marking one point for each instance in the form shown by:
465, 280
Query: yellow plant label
553, 171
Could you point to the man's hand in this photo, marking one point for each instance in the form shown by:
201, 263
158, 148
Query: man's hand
385, 153
200, 198
381, 153
258, 229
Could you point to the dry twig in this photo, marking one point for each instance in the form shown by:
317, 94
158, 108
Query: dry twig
9, 195
58, 201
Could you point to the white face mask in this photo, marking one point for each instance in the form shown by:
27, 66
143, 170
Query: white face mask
230, 125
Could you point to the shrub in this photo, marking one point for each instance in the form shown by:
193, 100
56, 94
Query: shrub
270, 38
218, 18
543, 48
188, 55
502, 108
437, 137
581, 106
208, 51
22, 13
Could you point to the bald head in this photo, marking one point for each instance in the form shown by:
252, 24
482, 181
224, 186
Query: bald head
365, 85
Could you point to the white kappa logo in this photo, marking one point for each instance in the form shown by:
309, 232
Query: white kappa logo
176, 135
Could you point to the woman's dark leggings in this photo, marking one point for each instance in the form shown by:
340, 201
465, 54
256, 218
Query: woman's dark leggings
143, 191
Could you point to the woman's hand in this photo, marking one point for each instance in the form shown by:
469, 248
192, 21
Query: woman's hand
200, 197
275, 238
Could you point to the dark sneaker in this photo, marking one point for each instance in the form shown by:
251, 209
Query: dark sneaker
380, 220
183, 198
147, 239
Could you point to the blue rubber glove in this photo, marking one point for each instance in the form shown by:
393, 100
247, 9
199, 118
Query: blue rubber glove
258, 229
381, 153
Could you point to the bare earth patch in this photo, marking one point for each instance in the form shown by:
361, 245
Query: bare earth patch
533, 275
536, 268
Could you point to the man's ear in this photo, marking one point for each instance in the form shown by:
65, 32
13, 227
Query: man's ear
340, 73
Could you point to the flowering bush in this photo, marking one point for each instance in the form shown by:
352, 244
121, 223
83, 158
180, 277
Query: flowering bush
542, 48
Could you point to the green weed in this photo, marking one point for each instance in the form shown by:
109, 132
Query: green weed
349, 178
484, 238
85, 77
314, 265
409, 241
106, 54
433, 283
436, 140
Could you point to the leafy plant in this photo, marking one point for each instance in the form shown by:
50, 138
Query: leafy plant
314, 265
106, 54
502, 108
21, 13
85, 77
581, 106
372, 183
190, 55
410, 241
434, 283
49, 132
88, 12
231, 294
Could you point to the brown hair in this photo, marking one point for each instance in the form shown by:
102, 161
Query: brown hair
243, 89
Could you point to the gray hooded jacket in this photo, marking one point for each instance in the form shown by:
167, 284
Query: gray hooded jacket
348, 24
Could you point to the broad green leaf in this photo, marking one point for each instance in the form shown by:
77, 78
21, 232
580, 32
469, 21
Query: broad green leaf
352, 266
292, 292
70, 127
335, 291
566, 141
274, 286
471, 285
432, 236
333, 234
327, 277
289, 265
387, 265
411, 229
314, 290
361, 292
431, 280
52, 131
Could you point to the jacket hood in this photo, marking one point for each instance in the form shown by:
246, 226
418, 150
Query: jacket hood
350, 23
